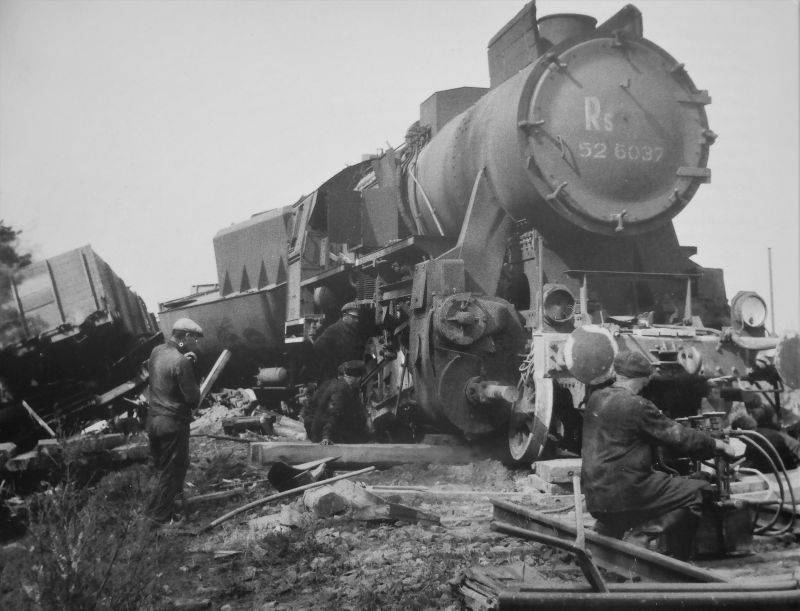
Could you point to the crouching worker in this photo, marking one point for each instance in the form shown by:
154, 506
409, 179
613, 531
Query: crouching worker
173, 393
335, 413
623, 491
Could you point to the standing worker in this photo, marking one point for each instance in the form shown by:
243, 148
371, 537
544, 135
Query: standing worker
340, 342
173, 393
623, 491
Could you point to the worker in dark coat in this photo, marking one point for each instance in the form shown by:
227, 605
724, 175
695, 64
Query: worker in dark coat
620, 432
340, 342
173, 393
335, 413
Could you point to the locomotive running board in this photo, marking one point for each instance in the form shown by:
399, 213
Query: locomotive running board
613, 555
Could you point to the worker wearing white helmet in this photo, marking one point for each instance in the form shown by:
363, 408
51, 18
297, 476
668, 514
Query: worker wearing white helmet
172, 394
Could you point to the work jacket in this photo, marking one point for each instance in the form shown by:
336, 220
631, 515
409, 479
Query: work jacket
340, 342
620, 433
173, 390
337, 414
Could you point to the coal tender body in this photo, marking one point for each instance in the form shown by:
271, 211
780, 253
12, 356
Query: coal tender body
511, 220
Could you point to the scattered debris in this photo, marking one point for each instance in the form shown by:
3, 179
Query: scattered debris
260, 423
285, 477
393, 512
324, 501
280, 495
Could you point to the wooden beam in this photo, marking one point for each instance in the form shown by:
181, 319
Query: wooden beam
362, 454
36, 417
212, 376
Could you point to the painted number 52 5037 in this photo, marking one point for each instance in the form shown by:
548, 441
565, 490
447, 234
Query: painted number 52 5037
621, 151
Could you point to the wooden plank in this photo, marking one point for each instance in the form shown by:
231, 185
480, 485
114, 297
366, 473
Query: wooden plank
95, 443
131, 451
25, 462
36, 417
362, 454
212, 376
537, 483
611, 554
557, 471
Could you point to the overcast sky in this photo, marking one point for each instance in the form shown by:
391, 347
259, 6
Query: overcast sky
143, 128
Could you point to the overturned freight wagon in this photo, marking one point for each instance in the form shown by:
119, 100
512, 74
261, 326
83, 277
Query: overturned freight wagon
518, 238
70, 330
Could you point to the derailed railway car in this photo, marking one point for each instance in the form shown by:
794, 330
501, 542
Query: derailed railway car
519, 237
71, 330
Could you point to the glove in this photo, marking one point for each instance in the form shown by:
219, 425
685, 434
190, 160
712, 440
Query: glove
191, 356
326, 442
731, 450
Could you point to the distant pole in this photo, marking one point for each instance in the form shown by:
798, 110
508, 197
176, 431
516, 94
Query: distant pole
771, 295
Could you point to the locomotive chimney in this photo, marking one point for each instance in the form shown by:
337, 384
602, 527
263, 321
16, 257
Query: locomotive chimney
560, 27
524, 39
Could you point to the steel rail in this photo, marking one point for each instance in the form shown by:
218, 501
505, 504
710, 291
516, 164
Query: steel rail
613, 555
781, 599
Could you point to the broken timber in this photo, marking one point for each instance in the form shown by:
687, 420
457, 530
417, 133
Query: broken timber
613, 555
361, 454
281, 495
50, 453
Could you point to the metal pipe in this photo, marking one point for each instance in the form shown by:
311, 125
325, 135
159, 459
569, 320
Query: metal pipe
752, 585
611, 554
539, 254
774, 519
427, 202
783, 599
771, 294
584, 297
687, 308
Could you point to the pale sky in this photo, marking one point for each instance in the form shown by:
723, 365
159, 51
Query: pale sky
143, 128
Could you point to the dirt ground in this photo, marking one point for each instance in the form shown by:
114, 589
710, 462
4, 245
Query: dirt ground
87, 548
332, 563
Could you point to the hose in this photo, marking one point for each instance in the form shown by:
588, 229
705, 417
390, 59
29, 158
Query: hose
744, 436
763, 477
771, 447
750, 442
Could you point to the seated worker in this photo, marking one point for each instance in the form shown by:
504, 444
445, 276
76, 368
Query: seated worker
620, 432
340, 342
335, 413
788, 447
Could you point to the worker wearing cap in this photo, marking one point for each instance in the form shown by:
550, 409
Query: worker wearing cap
340, 342
623, 491
173, 393
335, 413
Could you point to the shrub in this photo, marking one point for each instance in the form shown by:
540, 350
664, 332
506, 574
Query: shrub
85, 549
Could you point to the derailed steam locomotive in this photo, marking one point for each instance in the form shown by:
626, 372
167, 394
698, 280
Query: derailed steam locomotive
514, 227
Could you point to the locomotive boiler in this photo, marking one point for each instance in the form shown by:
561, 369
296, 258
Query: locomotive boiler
516, 240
